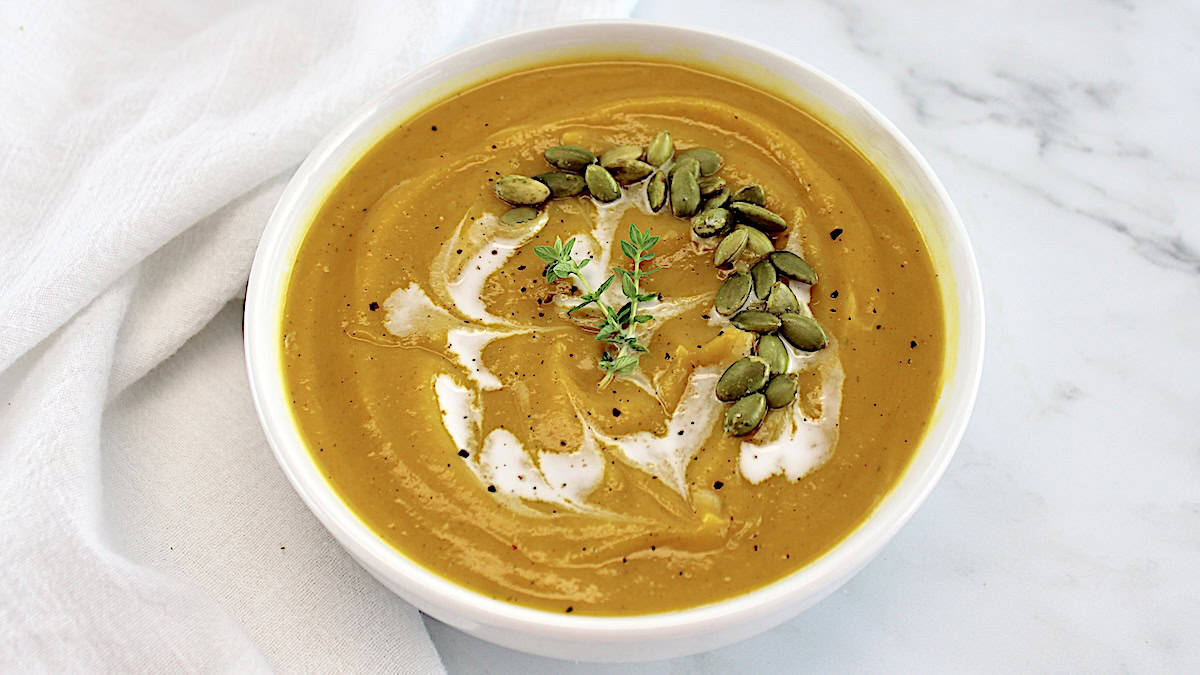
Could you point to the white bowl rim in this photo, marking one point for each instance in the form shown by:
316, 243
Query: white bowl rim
432, 592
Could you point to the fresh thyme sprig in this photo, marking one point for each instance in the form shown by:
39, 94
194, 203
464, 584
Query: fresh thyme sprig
618, 325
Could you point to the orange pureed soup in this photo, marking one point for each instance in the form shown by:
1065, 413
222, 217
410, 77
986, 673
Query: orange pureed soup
457, 408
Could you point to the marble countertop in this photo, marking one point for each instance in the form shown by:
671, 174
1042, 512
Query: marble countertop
1066, 534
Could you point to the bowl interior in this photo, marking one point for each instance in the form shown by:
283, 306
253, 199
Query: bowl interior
788, 78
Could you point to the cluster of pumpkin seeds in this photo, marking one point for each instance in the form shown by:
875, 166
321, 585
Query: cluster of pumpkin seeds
685, 179
578, 171
761, 382
688, 181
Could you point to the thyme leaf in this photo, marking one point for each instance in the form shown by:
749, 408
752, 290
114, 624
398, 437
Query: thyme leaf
617, 325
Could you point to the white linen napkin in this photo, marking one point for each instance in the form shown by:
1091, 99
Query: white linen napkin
146, 526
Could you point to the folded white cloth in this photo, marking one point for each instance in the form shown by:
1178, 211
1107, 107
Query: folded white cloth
142, 146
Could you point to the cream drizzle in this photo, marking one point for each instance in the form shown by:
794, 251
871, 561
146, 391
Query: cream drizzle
666, 456
567, 478
495, 243
500, 460
408, 311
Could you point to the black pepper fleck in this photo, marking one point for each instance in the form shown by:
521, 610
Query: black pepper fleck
464, 454
717, 485
374, 306
835, 233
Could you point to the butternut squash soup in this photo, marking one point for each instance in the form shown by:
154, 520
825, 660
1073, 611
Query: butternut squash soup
613, 338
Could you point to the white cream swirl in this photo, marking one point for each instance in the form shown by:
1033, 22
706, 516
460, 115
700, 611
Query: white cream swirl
499, 459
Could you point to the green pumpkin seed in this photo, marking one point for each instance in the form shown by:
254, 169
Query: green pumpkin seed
745, 415
656, 191
751, 194
781, 390
729, 248
685, 194
601, 183
660, 149
756, 242
711, 185
712, 223
521, 191
716, 201
782, 300
756, 321
569, 157
630, 170
733, 293
619, 153
764, 276
758, 216
687, 166
519, 215
772, 350
791, 265
802, 332
562, 184
709, 160
746, 376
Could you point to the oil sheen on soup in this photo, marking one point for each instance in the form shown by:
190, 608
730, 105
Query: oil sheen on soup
453, 404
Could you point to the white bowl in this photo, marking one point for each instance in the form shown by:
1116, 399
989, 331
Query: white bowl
651, 636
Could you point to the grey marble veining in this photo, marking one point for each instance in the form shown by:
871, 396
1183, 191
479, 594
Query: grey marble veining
1066, 534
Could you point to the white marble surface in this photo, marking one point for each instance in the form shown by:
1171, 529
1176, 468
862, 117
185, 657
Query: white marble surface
1066, 534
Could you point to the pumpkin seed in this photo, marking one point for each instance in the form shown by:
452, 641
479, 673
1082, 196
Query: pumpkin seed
562, 184
781, 390
630, 170
521, 191
711, 185
791, 265
656, 191
751, 194
716, 201
621, 152
712, 223
660, 149
782, 300
709, 160
756, 321
689, 165
802, 332
745, 415
733, 293
772, 350
569, 157
729, 248
601, 183
685, 194
746, 376
764, 276
756, 242
519, 215
758, 216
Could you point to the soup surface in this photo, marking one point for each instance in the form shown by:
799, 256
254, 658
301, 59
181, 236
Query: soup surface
454, 405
